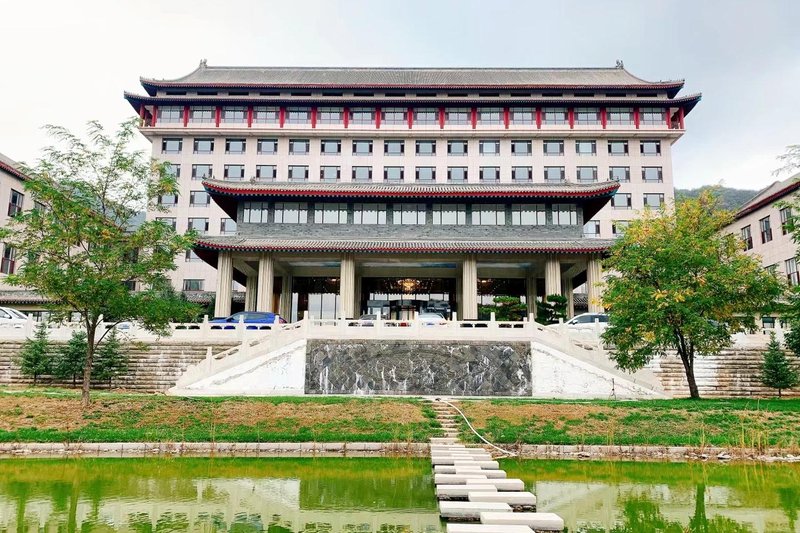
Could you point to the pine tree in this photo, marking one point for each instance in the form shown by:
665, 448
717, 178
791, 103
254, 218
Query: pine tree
553, 308
111, 361
70, 359
776, 371
35, 358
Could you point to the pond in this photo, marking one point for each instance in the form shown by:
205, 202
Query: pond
334, 495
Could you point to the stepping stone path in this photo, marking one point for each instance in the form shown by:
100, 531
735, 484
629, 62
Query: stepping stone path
471, 487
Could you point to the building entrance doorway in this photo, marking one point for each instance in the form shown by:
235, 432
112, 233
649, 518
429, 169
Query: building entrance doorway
400, 298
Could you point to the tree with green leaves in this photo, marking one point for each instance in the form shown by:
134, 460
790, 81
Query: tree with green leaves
84, 246
776, 370
70, 358
551, 309
36, 357
680, 282
112, 359
505, 309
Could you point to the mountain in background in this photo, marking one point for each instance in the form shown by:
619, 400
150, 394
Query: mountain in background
729, 198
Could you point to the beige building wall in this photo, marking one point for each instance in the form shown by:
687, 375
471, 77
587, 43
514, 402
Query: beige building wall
11, 185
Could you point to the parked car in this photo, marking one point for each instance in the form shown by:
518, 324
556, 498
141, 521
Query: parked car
588, 321
11, 318
251, 319
431, 319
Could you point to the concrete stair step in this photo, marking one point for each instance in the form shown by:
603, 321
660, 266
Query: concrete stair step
536, 521
487, 528
470, 510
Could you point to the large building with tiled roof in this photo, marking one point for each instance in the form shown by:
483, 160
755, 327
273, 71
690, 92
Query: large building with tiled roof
12, 193
343, 191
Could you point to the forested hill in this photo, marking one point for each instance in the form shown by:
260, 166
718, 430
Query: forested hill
729, 198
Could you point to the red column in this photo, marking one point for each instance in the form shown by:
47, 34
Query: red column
249, 116
603, 117
667, 118
538, 118
218, 117
681, 115
410, 117
506, 119
636, 117
281, 116
441, 118
346, 116
474, 117
377, 118
141, 115
313, 117
155, 115
185, 116
571, 117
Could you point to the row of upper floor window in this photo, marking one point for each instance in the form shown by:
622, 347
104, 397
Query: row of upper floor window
422, 147
624, 115
397, 174
765, 228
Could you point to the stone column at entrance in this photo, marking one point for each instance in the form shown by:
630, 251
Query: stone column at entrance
250, 291
469, 288
357, 297
568, 289
530, 292
347, 286
593, 275
552, 276
222, 303
285, 309
266, 275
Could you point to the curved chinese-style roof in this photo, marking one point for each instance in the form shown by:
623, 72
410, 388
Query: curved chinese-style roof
409, 78
10, 166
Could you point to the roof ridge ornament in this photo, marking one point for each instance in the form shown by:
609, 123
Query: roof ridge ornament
620, 64
203, 63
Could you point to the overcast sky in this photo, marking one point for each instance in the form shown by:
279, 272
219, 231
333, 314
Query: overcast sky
65, 62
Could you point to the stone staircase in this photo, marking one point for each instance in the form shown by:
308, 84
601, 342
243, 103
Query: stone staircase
448, 419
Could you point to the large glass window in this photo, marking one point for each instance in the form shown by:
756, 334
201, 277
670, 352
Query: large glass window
554, 174
394, 115
330, 115
227, 226
426, 147
426, 174
171, 146
265, 115
266, 172
618, 227
199, 224
747, 237
426, 116
457, 174
330, 213
586, 147
490, 173
587, 116
167, 200
521, 148
267, 146
489, 147
298, 115
362, 173
654, 200
234, 172
235, 146
652, 116
298, 173
394, 147
650, 147
291, 213
410, 214
651, 175
522, 115
329, 173
553, 147
786, 220
393, 174
362, 115
591, 230
199, 198
488, 215
765, 226
9, 262
619, 115
621, 200
587, 174
369, 213
234, 115
299, 146
457, 148
528, 215
362, 147
204, 146
617, 147
449, 214
193, 284
202, 172
255, 212
554, 115
170, 114
457, 116
565, 215
173, 170
521, 173
172, 222
490, 115
792, 274
331, 146
621, 174
202, 114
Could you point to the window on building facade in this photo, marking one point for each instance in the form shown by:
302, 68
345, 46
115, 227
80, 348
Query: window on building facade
199, 198
331, 146
426, 116
192, 257
202, 114
565, 215
617, 147
652, 116
457, 116
587, 116
620, 116
766, 229
330, 213
362, 147
488, 215
425, 174
489, 173
618, 227
267, 146
591, 230
15, 202
654, 200
235, 146
198, 224
394, 115
457, 174
554, 174
255, 212
449, 214
362, 174
193, 284
170, 114
490, 115
621, 201
204, 146
786, 220
168, 200
651, 175
489, 147
298, 115
234, 115
266, 172
554, 115
227, 226
265, 115
369, 213
298, 173
171, 145
528, 215
586, 147
621, 174
234, 172
792, 275
362, 115
426, 147
522, 173
394, 147
291, 213
330, 174
553, 147
650, 147
747, 237
587, 174
522, 115
330, 115
393, 174
171, 222
9, 262
174, 170
457, 148
299, 146
408, 214
521, 148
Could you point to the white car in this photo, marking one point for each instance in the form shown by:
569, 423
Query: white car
431, 319
588, 321
11, 318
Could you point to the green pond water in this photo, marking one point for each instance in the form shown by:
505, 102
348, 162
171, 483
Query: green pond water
381, 495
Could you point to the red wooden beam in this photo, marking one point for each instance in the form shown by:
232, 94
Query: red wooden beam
571, 117
141, 115
506, 118
218, 117
410, 117
155, 115
636, 117
538, 118
603, 119
313, 117
249, 116
681, 116
474, 117
668, 119
441, 118
346, 116
281, 116
377, 118
185, 116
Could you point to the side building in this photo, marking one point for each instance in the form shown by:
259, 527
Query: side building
380, 160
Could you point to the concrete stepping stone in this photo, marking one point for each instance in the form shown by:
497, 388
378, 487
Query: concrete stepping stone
485, 465
449, 459
486, 528
512, 484
457, 479
459, 492
490, 474
444, 469
470, 510
519, 501
442, 440
536, 521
